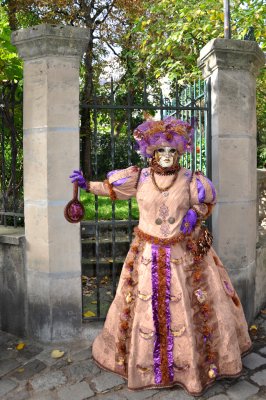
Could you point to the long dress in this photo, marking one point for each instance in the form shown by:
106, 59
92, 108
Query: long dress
176, 318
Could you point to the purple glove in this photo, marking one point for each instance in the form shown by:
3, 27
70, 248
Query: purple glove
77, 176
189, 221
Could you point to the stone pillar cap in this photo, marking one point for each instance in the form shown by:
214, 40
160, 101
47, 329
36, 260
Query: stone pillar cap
50, 40
231, 54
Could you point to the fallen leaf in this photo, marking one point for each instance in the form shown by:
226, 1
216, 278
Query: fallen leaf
57, 353
21, 370
89, 314
253, 328
20, 346
94, 302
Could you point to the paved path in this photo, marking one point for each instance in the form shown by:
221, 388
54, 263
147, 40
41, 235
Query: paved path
31, 373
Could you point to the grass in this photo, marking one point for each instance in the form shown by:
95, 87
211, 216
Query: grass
105, 207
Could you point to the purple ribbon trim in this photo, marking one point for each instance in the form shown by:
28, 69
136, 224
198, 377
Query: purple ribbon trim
170, 341
201, 191
155, 290
119, 182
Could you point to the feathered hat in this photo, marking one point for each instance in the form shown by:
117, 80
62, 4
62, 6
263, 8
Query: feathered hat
170, 132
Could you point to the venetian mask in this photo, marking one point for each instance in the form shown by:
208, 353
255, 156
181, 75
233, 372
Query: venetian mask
166, 156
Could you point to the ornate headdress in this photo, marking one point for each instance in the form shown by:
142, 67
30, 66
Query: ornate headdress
171, 132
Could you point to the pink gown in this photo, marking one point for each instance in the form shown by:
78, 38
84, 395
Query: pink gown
173, 321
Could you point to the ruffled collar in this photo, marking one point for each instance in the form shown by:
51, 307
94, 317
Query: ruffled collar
158, 169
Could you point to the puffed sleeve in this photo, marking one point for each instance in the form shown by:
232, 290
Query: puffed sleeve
202, 195
119, 185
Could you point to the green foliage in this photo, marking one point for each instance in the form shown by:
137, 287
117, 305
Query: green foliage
105, 208
10, 63
261, 120
170, 33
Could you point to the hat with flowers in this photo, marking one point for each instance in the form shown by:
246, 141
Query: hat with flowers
170, 132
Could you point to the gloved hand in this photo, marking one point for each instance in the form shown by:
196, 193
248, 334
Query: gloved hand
77, 176
189, 221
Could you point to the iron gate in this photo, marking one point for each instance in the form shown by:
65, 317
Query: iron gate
11, 154
114, 114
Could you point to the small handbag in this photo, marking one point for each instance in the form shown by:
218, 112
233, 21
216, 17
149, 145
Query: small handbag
74, 211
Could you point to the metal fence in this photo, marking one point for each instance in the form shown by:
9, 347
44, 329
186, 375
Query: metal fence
114, 113
11, 164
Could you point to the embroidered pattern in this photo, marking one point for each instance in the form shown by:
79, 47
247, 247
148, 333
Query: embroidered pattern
177, 331
128, 293
163, 214
144, 175
144, 297
145, 260
203, 317
143, 370
176, 298
181, 367
146, 333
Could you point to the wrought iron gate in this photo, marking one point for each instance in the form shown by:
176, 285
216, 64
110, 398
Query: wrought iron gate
114, 114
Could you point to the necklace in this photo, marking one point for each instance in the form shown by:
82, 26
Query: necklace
161, 190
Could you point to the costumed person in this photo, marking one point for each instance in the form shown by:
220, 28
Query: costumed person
176, 318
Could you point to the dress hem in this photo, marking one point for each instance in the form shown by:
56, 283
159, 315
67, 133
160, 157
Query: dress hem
176, 383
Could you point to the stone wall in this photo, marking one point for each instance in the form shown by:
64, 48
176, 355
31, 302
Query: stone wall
12, 281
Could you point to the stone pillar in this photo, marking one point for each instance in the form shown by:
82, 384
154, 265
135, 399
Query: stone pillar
232, 66
51, 57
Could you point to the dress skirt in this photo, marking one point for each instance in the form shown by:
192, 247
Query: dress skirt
175, 320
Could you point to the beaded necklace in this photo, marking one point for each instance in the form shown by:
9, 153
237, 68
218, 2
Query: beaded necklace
161, 190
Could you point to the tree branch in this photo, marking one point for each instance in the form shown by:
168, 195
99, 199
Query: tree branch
113, 50
106, 7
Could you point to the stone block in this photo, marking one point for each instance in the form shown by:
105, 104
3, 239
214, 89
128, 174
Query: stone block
46, 395
78, 391
4, 336
22, 394
260, 283
12, 288
233, 90
263, 350
6, 385
55, 249
50, 40
54, 314
118, 395
173, 394
83, 369
253, 361
7, 366
214, 390
242, 390
219, 397
50, 380
35, 94
51, 82
106, 381
231, 55
235, 175
28, 370
30, 350
81, 355
138, 395
259, 377
233, 242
